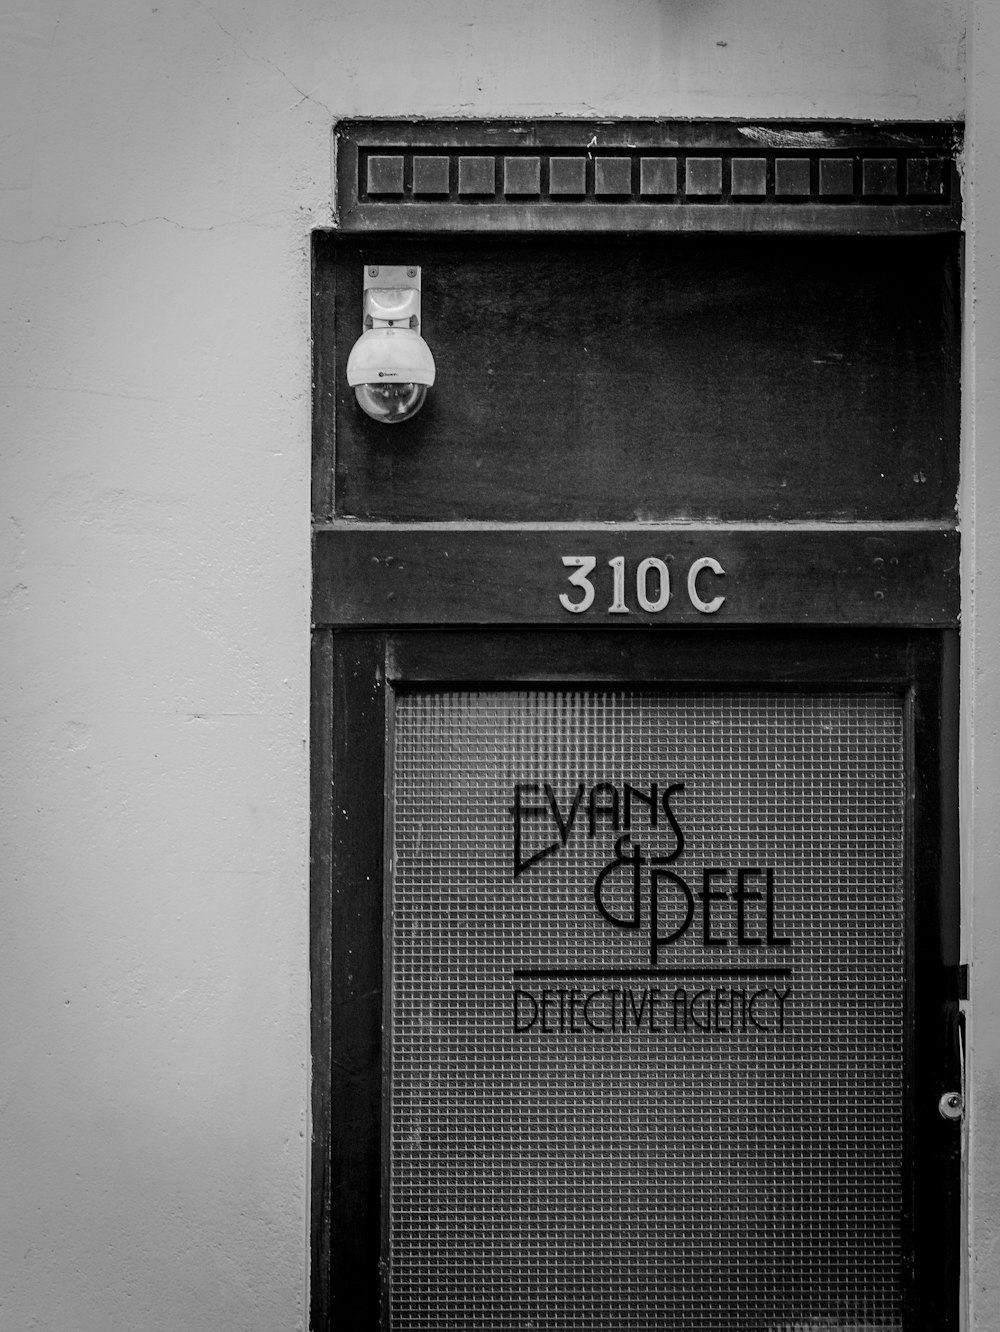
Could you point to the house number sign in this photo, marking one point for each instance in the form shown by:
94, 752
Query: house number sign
648, 583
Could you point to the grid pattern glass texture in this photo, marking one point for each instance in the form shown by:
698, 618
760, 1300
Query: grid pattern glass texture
630, 1141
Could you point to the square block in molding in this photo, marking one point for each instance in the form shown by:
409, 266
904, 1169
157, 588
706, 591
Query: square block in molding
477, 175
925, 175
567, 175
879, 175
522, 175
613, 175
749, 175
385, 174
791, 176
430, 175
703, 175
836, 175
658, 175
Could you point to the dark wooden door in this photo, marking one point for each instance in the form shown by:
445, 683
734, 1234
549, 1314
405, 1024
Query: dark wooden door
638, 986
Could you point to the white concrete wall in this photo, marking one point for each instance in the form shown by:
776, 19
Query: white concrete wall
162, 166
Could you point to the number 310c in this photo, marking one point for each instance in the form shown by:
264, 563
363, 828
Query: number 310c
652, 584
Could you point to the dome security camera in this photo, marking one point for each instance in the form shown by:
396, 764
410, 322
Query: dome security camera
390, 366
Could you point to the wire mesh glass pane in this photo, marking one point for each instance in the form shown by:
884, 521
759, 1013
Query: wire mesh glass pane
646, 1012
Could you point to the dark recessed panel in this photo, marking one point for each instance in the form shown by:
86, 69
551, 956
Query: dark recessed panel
653, 378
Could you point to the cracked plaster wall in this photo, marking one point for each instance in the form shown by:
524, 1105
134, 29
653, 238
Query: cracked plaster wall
161, 167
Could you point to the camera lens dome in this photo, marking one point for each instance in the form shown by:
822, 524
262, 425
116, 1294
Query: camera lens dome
391, 402
390, 370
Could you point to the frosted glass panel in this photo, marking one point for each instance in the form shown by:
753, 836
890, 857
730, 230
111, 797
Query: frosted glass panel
646, 1030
